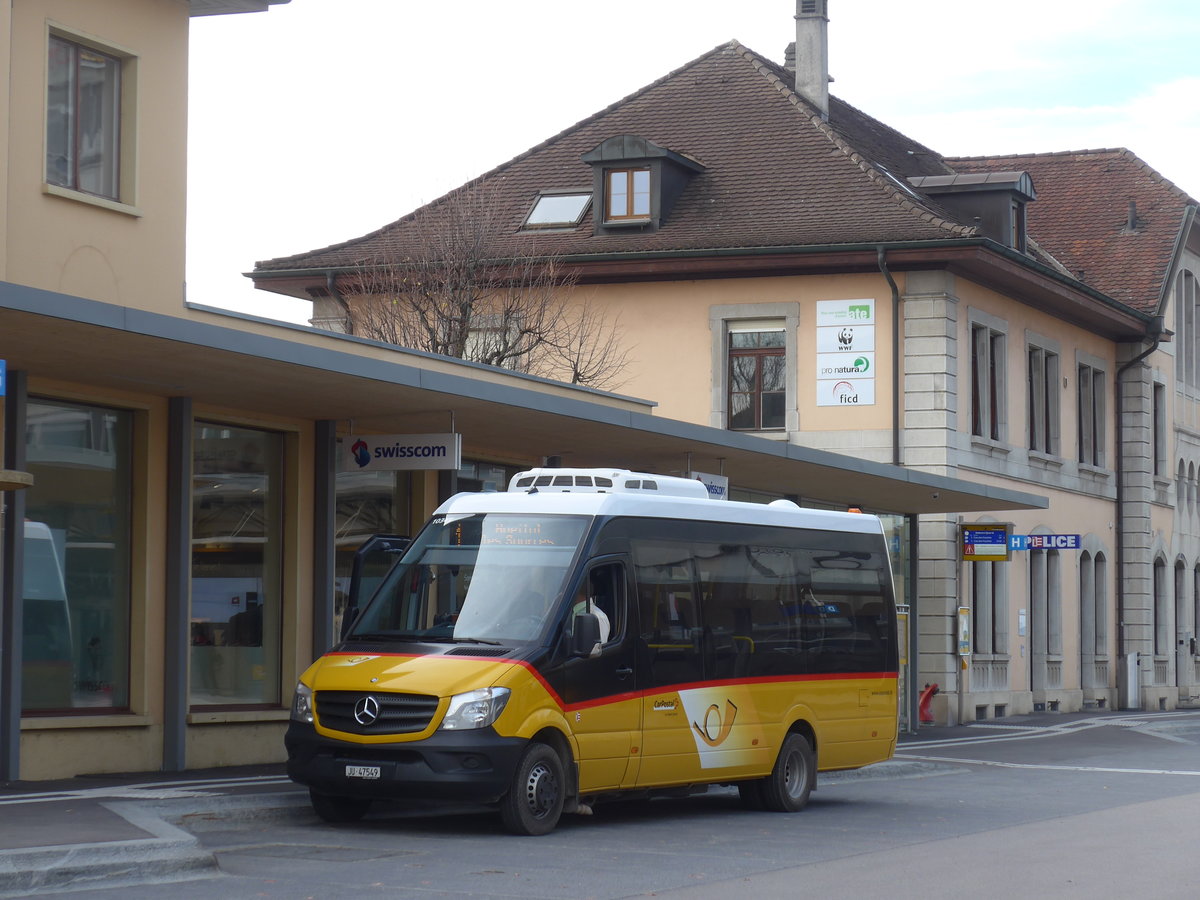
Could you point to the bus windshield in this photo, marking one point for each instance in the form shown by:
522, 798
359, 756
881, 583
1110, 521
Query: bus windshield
477, 578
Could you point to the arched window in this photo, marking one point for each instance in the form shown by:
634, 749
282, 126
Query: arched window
1161, 642
1186, 369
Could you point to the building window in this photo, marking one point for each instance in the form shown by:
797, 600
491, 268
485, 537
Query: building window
83, 119
987, 382
1159, 434
628, 194
1160, 623
237, 536
558, 210
75, 642
1043, 400
1093, 594
1186, 339
1045, 597
757, 378
1017, 226
1090, 405
989, 608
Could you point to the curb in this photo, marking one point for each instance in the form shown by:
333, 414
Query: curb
171, 854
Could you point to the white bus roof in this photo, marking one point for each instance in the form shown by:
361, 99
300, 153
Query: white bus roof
668, 499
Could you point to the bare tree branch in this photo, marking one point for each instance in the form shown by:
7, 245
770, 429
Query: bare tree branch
450, 291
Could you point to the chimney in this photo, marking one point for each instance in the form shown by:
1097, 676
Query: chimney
812, 53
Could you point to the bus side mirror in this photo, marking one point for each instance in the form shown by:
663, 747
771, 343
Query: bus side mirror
586, 634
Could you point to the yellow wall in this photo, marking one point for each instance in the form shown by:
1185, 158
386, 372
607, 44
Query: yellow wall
132, 256
665, 325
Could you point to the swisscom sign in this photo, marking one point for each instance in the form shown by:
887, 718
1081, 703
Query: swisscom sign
393, 452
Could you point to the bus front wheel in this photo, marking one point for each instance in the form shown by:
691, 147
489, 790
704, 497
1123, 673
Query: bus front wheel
787, 788
534, 802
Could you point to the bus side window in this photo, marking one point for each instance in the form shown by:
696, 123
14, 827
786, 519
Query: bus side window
602, 592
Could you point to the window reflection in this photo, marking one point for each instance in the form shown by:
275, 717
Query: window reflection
75, 639
237, 522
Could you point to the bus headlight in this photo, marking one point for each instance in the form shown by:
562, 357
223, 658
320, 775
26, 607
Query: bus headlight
475, 709
302, 704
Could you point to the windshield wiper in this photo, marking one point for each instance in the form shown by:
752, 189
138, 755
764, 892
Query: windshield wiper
474, 640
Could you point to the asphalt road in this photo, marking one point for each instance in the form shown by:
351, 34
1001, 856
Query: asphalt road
1049, 807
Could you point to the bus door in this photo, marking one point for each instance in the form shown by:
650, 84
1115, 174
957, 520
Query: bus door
670, 660
601, 705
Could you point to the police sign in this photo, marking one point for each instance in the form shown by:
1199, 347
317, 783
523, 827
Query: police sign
1044, 542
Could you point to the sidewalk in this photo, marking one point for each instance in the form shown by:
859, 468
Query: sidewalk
80, 832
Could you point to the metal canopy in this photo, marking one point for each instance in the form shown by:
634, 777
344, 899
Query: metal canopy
223, 360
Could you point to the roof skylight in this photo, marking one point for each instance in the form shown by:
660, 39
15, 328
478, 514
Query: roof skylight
558, 210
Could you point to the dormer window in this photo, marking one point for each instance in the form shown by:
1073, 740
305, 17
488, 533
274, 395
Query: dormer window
636, 183
558, 210
628, 193
995, 201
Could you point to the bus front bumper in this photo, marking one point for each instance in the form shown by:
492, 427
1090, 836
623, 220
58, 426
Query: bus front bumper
472, 765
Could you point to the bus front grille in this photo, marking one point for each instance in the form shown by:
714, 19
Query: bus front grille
375, 713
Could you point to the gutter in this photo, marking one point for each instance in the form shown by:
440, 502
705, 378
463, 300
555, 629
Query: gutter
802, 250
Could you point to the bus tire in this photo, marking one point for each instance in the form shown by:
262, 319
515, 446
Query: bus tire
338, 809
534, 802
787, 788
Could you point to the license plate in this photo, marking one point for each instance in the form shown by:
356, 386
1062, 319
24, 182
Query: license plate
362, 771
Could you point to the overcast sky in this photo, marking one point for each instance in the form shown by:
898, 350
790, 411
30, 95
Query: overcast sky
322, 120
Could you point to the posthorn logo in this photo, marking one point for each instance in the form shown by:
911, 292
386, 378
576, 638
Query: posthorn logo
362, 455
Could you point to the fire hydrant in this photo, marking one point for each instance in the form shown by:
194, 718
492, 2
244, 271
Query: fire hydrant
924, 713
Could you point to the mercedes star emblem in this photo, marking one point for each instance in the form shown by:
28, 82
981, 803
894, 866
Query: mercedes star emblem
366, 710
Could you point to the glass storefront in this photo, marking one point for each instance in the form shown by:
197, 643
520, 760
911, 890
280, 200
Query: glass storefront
237, 531
366, 503
75, 647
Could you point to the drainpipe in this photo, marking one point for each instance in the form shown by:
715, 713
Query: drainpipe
1156, 331
881, 255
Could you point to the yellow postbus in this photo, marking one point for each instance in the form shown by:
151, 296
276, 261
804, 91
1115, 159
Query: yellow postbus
591, 634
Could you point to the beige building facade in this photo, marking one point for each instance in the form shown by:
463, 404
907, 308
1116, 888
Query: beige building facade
177, 524
794, 270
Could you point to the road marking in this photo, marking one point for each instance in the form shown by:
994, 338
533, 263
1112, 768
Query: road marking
159, 790
1011, 765
1141, 723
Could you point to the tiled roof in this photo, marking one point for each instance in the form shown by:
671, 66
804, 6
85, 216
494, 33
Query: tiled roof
776, 174
1081, 215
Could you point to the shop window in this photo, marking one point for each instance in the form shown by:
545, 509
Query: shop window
237, 531
75, 644
367, 503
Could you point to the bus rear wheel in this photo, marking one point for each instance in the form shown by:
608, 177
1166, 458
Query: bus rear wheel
534, 802
787, 788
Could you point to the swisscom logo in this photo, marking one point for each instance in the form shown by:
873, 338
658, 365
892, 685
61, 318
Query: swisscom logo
362, 454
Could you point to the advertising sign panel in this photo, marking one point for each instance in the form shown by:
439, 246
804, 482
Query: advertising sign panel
400, 452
